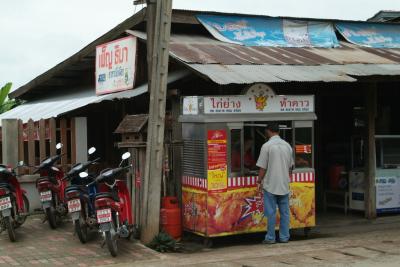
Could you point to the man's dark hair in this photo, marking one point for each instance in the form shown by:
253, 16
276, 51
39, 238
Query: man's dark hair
273, 127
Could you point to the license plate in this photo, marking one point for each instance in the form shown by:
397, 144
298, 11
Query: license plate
104, 216
5, 203
45, 196
74, 205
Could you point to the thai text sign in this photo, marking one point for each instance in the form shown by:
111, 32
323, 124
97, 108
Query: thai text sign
116, 65
217, 173
258, 99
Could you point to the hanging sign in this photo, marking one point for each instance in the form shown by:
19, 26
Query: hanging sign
116, 65
259, 98
387, 194
190, 105
217, 172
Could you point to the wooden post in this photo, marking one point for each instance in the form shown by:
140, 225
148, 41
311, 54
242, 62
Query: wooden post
21, 142
64, 141
53, 136
31, 145
370, 155
158, 30
79, 139
42, 139
10, 141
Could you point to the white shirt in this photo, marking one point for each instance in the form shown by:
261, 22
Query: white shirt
276, 156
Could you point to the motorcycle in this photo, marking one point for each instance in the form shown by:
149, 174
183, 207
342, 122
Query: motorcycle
113, 207
51, 186
14, 205
80, 199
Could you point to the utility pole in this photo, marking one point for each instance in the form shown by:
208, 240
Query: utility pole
158, 23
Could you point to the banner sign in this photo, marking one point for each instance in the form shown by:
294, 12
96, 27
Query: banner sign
277, 32
190, 105
217, 171
387, 194
370, 34
116, 65
259, 98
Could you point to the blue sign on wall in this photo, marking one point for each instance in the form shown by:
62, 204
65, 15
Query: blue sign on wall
371, 34
277, 32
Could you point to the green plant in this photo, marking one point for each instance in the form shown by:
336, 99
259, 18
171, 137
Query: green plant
5, 103
163, 242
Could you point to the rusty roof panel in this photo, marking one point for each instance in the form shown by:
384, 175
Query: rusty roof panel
248, 74
206, 50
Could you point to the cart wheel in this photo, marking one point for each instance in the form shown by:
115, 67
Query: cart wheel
208, 242
307, 231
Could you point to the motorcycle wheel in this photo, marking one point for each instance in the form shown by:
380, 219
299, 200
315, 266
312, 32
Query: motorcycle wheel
10, 228
81, 227
51, 217
21, 220
111, 241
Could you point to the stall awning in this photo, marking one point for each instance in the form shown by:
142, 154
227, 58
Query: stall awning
55, 106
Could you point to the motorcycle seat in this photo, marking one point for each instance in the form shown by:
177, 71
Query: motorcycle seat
46, 179
107, 195
7, 186
74, 187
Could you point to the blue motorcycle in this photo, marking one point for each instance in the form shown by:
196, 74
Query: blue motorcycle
80, 198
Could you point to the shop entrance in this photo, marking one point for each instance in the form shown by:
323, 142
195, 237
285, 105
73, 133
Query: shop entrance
340, 148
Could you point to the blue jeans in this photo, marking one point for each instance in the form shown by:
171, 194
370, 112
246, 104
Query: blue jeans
270, 203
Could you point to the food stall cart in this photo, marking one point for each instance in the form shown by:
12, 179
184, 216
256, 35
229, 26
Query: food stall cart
387, 174
222, 138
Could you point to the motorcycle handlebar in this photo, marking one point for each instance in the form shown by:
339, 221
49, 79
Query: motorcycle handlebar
97, 180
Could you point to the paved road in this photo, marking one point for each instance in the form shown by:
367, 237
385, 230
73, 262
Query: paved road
358, 244
37, 245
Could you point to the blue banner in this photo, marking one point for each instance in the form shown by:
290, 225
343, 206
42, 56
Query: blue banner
370, 34
277, 32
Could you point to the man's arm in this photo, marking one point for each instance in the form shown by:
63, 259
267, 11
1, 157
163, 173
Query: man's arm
261, 175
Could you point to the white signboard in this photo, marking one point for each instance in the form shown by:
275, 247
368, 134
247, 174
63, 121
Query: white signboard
116, 65
388, 193
259, 98
190, 105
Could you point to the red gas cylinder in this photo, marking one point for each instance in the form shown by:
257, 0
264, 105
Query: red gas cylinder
334, 176
171, 217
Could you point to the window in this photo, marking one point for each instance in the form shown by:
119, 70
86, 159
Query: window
236, 150
303, 147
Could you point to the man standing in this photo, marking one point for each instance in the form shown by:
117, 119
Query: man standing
275, 163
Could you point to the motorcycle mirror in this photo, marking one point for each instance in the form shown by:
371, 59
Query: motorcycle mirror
21, 163
83, 174
59, 146
91, 150
55, 169
126, 155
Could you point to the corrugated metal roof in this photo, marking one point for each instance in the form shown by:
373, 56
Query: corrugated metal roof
202, 49
226, 63
58, 105
247, 74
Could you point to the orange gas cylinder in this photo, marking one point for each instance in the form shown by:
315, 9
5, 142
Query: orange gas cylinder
171, 217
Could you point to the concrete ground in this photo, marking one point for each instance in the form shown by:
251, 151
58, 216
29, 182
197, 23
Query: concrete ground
345, 242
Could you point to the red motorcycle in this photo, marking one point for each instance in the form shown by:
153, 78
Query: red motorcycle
14, 205
113, 207
51, 186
